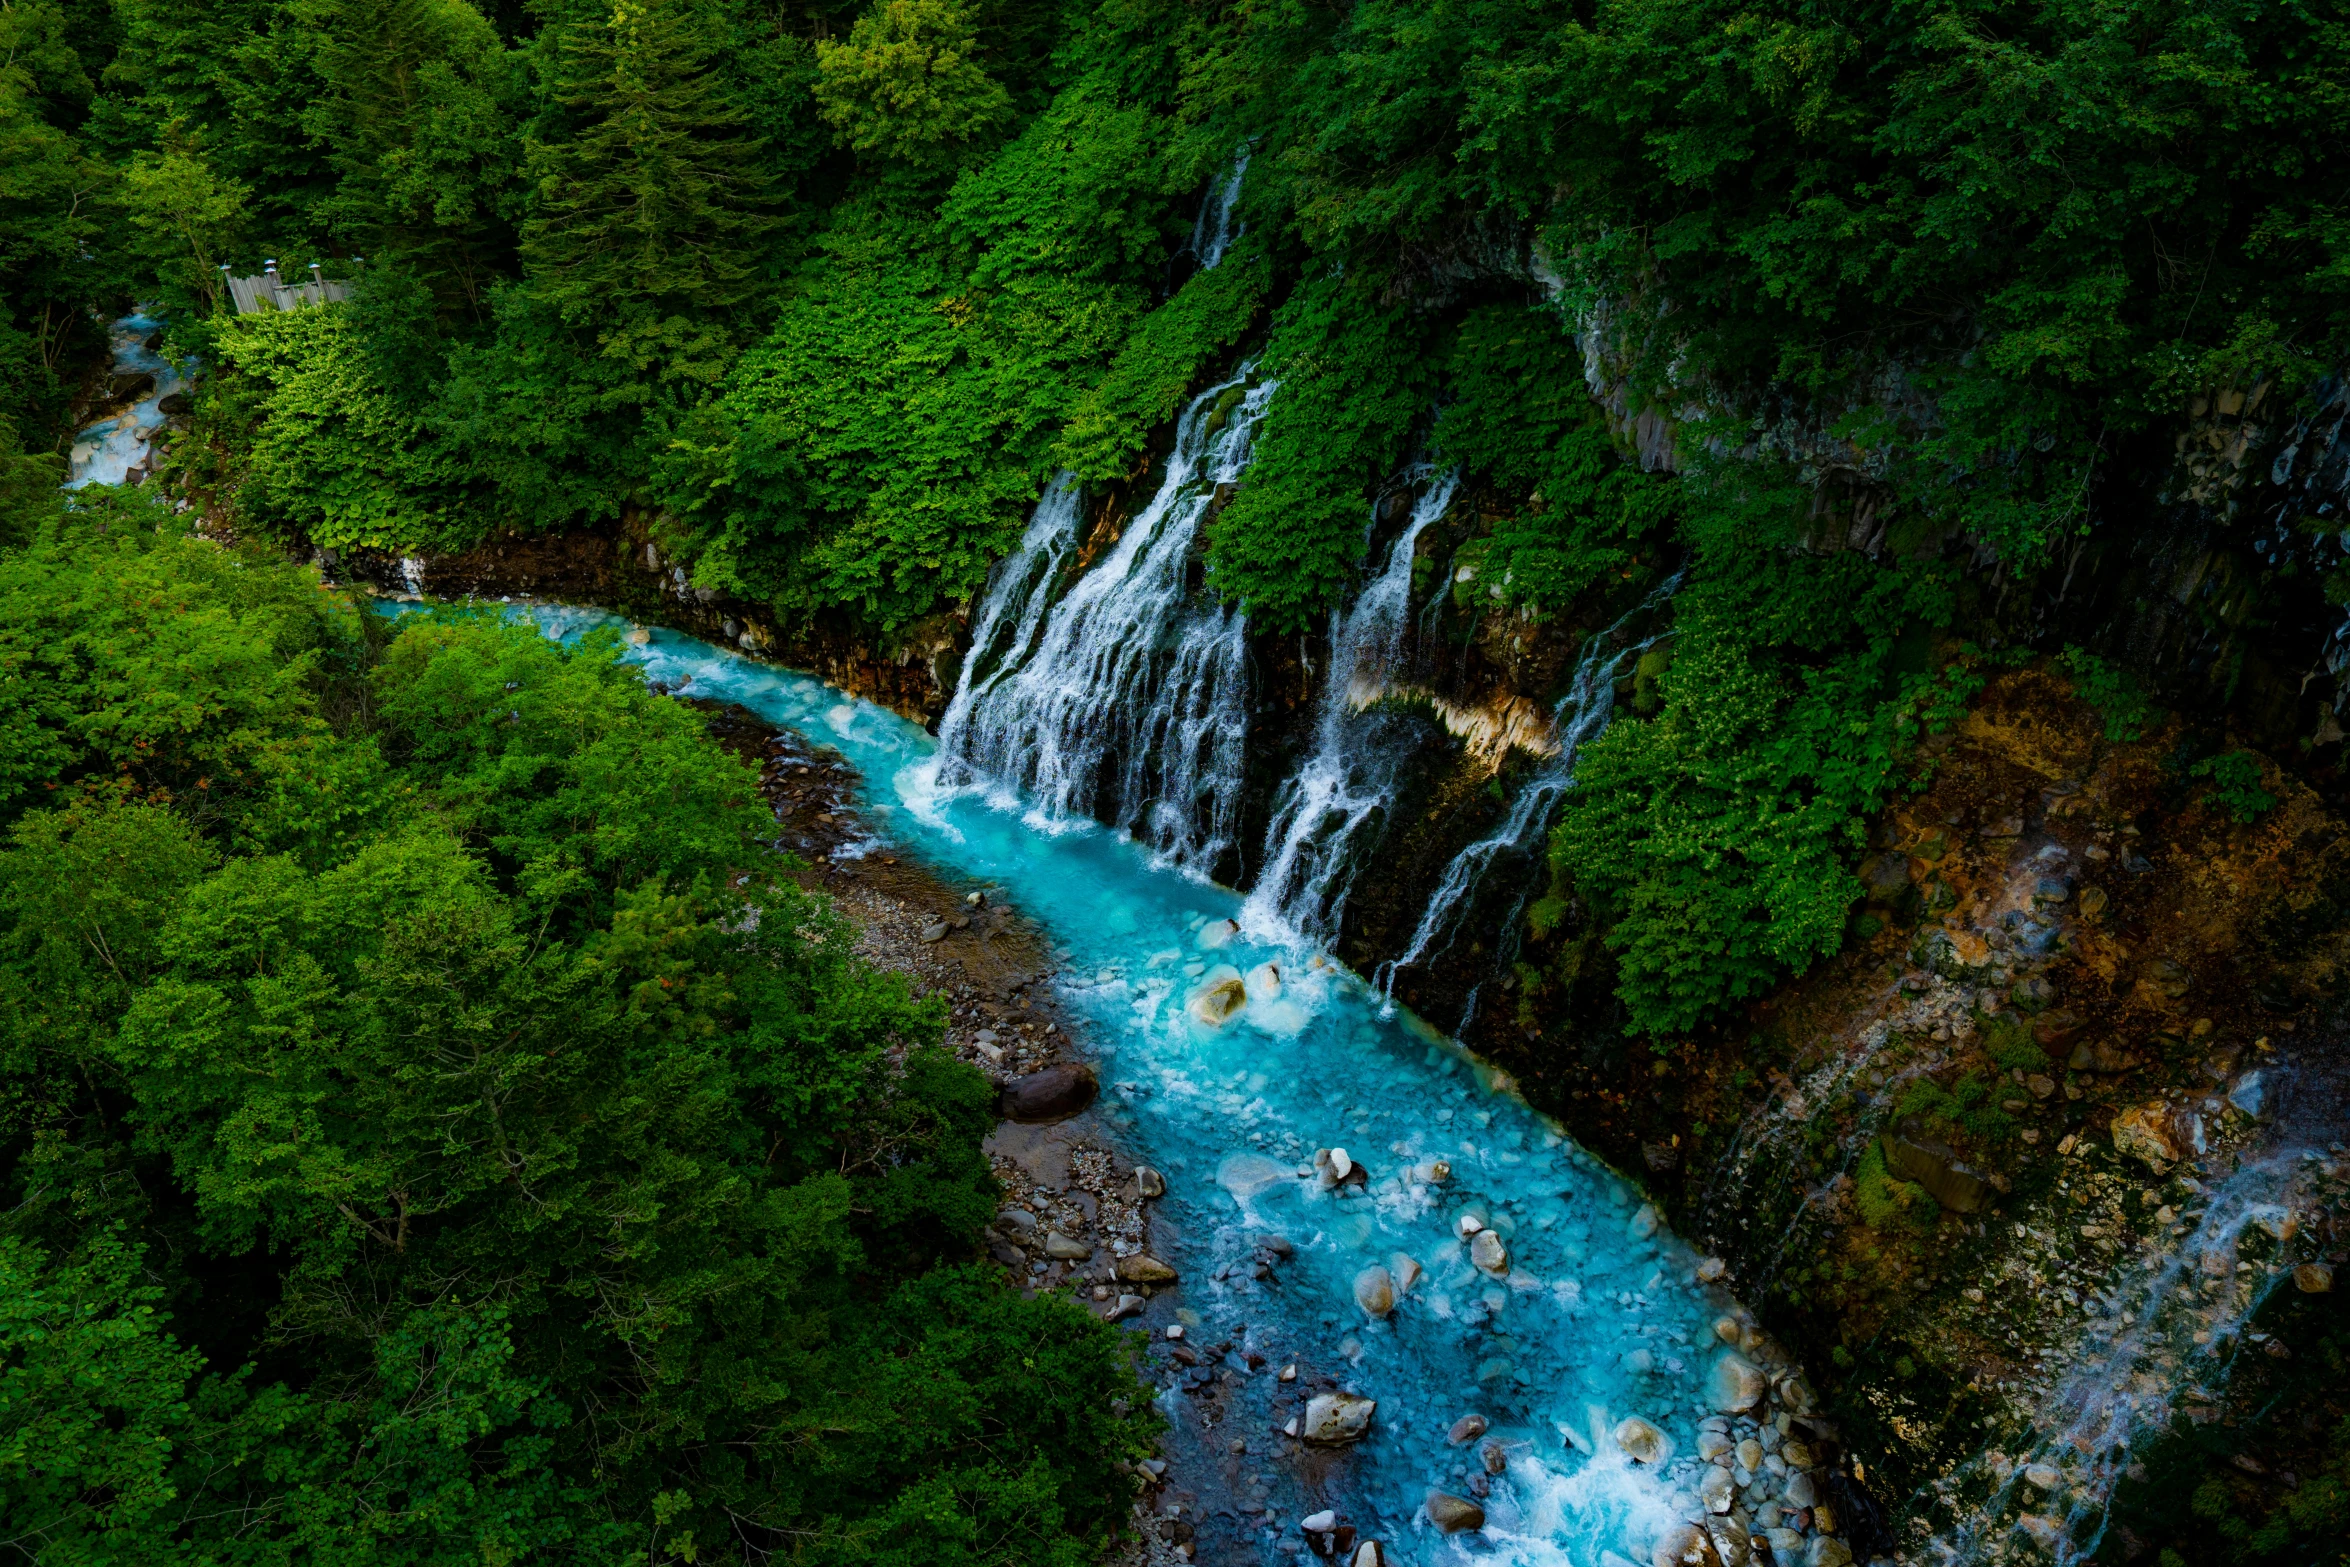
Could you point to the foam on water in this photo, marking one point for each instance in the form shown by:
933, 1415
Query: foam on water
1123, 699
1592, 1320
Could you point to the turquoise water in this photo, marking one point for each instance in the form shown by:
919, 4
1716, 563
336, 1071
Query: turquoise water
1597, 1317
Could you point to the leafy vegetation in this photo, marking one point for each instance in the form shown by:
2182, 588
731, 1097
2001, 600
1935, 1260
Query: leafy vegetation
435, 1128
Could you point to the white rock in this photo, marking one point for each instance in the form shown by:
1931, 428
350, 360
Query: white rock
1644, 1221
1488, 1254
2043, 1476
1264, 982
1375, 1290
1469, 1224
1800, 1491
1712, 1443
1732, 1540
1407, 1272
1319, 1523
1217, 934
1341, 1163
1714, 1489
1335, 1419
1641, 1441
1369, 1554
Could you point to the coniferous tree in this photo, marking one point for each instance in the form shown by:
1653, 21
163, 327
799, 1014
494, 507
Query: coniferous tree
649, 220
419, 121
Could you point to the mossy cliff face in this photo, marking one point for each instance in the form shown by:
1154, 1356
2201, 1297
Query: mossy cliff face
1954, 1163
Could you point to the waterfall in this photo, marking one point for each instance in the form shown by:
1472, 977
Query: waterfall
1129, 702
1311, 849
1212, 232
1582, 713
1019, 591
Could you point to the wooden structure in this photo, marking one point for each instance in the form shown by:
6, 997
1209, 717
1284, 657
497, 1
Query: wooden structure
269, 291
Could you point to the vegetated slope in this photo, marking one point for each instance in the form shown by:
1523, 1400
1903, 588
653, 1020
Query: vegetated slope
436, 1126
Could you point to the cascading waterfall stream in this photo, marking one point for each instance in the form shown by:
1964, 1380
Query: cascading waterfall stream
1019, 592
1212, 232
2165, 1330
1575, 1311
1314, 844
1584, 711
1130, 704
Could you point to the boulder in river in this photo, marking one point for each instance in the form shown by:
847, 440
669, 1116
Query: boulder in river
1735, 1384
2314, 1278
1641, 1441
1406, 1270
1219, 1002
1054, 1094
1149, 1182
1217, 934
1683, 1545
1264, 982
1454, 1514
1375, 1290
1466, 1430
1064, 1249
1488, 1253
1336, 1419
1369, 1554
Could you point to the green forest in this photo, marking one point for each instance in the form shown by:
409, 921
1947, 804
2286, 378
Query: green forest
433, 1126
827, 294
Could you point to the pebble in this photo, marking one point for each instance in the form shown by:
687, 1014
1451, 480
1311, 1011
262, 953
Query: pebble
1466, 1430
2313, 1278
1149, 1182
1374, 1290
1127, 1306
1065, 1249
1800, 1492
1712, 1444
935, 931
1750, 1455
1488, 1253
1369, 1554
1494, 1457
1143, 1268
1319, 1523
1407, 1272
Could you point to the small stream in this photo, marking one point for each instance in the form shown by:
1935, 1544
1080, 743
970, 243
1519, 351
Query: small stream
105, 452
1595, 1313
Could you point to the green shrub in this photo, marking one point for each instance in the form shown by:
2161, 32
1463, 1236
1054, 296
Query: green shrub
2236, 785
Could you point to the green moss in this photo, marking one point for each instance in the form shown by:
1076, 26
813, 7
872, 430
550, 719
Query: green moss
1886, 1202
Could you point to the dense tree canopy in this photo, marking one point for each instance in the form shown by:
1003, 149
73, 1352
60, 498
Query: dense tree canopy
434, 1130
